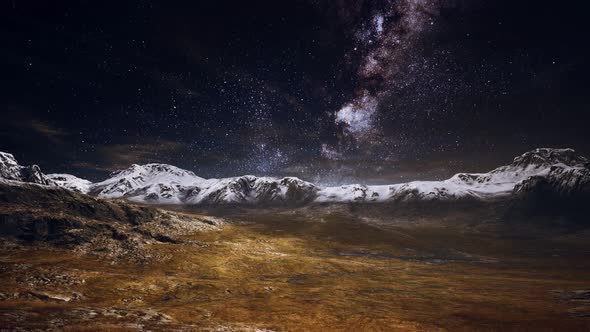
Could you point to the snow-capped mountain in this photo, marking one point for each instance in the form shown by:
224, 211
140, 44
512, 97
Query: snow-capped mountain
11, 170
159, 183
567, 172
70, 182
252, 189
560, 170
166, 184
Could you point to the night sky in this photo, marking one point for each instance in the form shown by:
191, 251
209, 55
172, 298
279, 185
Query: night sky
331, 91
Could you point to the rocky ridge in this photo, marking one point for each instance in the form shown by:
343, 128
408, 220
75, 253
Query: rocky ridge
11, 170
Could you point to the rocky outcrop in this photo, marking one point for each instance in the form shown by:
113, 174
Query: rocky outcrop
547, 157
567, 175
11, 170
54, 216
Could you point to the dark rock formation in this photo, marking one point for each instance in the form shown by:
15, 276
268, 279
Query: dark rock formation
11, 170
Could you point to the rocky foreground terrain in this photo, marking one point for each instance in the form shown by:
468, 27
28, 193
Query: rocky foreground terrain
55, 241
321, 268
56, 217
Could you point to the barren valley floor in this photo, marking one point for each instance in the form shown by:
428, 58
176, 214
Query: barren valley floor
293, 273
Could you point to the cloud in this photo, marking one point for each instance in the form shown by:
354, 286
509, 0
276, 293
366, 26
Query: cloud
120, 156
48, 131
22, 126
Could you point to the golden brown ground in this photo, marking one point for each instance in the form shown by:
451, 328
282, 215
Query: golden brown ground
291, 275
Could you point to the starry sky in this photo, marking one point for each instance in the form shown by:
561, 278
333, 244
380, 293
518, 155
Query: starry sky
331, 91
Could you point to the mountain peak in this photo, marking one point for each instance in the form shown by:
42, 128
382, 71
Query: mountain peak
153, 169
550, 156
7, 158
11, 170
70, 182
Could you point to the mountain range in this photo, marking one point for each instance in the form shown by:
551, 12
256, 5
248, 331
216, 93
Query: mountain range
560, 172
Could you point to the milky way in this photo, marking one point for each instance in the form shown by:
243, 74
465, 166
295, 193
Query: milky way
388, 40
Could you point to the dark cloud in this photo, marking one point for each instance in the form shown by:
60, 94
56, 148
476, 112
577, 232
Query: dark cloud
48, 131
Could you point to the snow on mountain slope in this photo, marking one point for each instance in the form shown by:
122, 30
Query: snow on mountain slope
166, 184
152, 182
11, 170
563, 167
70, 182
561, 170
566, 175
252, 189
